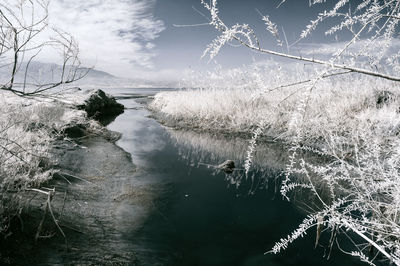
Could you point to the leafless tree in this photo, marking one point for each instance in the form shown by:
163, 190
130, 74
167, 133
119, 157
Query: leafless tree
22, 27
363, 206
25, 143
375, 21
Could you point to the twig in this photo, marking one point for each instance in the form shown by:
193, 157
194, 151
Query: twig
54, 218
62, 209
73, 229
373, 243
48, 207
76, 177
41, 222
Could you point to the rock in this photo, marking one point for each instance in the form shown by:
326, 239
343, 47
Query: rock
384, 98
100, 104
228, 166
74, 131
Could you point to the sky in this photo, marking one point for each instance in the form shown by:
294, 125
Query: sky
146, 38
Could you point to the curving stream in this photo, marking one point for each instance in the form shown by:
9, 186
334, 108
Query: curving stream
172, 207
199, 215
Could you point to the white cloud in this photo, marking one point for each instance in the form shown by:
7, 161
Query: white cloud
362, 47
114, 35
150, 45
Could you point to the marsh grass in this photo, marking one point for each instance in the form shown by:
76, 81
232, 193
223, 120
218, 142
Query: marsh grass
29, 127
340, 118
342, 105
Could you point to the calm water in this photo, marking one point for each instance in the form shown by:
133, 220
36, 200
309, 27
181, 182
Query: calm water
198, 215
173, 207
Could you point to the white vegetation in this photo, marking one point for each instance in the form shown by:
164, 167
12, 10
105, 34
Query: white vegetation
23, 156
342, 123
24, 35
346, 110
334, 105
29, 125
28, 128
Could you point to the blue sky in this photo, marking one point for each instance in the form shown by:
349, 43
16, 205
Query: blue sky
188, 43
139, 39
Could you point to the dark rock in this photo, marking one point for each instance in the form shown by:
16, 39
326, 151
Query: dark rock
100, 104
74, 131
384, 98
228, 166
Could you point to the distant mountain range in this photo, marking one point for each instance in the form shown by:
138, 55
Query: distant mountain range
42, 73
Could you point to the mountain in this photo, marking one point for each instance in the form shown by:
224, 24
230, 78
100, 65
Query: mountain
44, 73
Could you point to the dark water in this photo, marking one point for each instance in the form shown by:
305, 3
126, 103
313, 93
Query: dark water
199, 215
173, 207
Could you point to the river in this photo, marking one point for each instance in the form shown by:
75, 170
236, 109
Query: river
200, 216
172, 206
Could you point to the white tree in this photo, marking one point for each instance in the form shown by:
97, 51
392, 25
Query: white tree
363, 190
21, 25
376, 20
25, 143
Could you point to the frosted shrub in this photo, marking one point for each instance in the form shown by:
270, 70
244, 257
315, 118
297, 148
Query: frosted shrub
332, 110
358, 136
25, 35
358, 189
363, 183
28, 128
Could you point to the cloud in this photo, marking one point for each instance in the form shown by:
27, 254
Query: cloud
379, 47
115, 35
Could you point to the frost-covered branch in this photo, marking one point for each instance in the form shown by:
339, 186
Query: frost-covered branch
245, 35
21, 25
358, 189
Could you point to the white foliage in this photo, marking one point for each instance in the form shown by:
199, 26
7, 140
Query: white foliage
272, 28
337, 121
252, 145
358, 187
362, 178
28, 129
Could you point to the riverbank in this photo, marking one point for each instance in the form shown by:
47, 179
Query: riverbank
56, 147
351, 120
91, 186
173, 208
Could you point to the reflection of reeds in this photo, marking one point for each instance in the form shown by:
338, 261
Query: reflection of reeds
210, 150
352, 121
214, 149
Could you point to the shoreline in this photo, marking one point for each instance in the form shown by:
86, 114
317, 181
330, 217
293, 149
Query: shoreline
90, 168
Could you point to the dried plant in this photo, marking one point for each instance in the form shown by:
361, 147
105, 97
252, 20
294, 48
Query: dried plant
22, 25
332, 112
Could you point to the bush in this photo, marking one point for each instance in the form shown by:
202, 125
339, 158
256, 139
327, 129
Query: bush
344, 120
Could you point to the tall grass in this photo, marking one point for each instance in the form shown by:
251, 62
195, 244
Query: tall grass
339, 104
342, 118
28, 129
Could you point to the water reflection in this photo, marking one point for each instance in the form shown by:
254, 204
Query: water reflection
210, 150
199, 215
176, 207
214, 148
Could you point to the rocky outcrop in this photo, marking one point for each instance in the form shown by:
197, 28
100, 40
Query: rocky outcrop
99, 104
